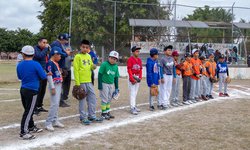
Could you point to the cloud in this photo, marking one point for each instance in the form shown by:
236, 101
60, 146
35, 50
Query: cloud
20, 13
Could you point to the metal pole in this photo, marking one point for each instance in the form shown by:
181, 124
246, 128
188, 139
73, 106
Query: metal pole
103, 54
175, 23
70, 18
114, 25
233, 24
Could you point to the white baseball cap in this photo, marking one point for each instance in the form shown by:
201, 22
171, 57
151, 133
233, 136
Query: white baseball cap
114, 54
194, 50
28, 50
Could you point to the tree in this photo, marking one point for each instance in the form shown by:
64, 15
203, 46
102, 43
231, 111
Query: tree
207, 14
93, 19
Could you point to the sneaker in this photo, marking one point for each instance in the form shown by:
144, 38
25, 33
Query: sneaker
86, 122
49, 127
41, 109
58, 124
194, 101
221, 95
27, 136
36, 112
63, 104
105, 116
133, 111
159, 107
137, 109
95, 119
180, 104
35, 129
174, 104
190, 101
111, 116
185, 103
211, 97
151, 108
165, 107
225, 94
204, 97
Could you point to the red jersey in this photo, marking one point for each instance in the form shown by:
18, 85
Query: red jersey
134, 67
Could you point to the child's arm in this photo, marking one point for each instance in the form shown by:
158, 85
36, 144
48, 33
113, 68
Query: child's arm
76, 69
149, 69
99, 81
51, 84
174, 71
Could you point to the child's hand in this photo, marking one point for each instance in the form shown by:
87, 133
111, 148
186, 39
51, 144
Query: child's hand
53, 91
49, 74
162, 81
174, 80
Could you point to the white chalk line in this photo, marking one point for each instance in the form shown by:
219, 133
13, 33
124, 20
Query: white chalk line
73, 134
9, 100
8, 89
15, 125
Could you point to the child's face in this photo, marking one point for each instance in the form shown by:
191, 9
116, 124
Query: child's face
203, 61
112, 60
155, 57
168, 52
196, 54
211, 58
84, 48
136, 53
188, 59
57, 57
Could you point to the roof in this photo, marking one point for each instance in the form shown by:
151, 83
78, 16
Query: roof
185, 24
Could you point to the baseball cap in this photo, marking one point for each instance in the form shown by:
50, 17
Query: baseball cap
134, 48
64, 36
114, 54
56, 50
168, 47
153, 51
28, 50
221, 56
187, 55
194, 50
175, 53
202, 58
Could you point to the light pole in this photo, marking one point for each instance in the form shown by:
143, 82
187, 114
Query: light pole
114, 24
233, 24
70, 18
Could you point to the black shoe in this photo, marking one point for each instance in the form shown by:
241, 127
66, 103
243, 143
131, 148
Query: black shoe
160, 107
41, 109
35, 129
211, 97
95, 119
151, 108
110, 116
36, 112
63, 104
105, 116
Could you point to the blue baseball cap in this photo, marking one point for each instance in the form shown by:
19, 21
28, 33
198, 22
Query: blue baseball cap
56, 50
153, 51
64, 36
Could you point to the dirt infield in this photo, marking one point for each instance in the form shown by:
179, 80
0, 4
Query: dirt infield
223, 123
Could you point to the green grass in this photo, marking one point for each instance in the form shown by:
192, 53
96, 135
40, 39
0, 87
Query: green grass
8, 72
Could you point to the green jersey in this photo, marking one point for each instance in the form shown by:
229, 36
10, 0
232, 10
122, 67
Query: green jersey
109, 72
83, 66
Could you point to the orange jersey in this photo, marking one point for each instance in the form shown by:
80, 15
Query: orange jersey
196, 67
178, 68
187, 69
211, 68
204, 70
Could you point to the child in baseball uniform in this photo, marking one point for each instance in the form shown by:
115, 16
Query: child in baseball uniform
195, 78
204, 87
134, 68
153, 74
55, 87
211, 71
108, 77
187, 71
176, 86
83, 66
222, 74
168, 76
30, 73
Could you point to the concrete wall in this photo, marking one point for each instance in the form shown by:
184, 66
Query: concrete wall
235, 73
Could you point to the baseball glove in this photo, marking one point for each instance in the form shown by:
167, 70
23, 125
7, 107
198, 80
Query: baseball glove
228, 79
154, 90
213, 80
116, 94
137, 79
78, 92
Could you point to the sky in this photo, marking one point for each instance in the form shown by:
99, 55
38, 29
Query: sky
23, 13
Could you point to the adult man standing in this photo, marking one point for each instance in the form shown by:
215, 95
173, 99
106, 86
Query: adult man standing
41, 51
65, 65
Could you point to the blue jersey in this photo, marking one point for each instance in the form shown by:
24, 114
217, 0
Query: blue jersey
63, 55
153, 72
221, 67
30, 73
93, 56
53, 67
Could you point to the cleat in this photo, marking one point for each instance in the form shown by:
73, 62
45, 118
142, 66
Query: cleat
27, 136
86, 122
105, 116
185, 103
133, 111
225, 94
41, 109
50, 128
151, 108
110, 116
58, 124
35, 129
137, 109
221, 95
